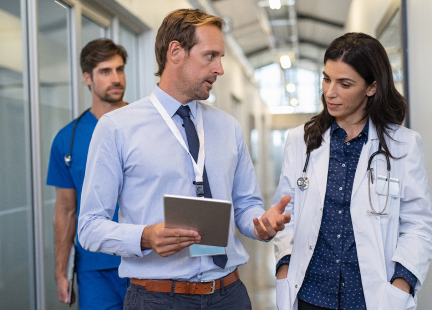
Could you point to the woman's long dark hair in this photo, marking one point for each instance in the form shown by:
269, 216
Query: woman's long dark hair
368, 57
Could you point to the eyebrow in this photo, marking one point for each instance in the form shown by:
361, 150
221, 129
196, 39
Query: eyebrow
109, 68
341, 79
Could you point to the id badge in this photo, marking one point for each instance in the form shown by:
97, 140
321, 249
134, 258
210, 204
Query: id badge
197, 250
381, 187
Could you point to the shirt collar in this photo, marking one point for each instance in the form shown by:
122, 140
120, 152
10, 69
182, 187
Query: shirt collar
170, 104
363, 133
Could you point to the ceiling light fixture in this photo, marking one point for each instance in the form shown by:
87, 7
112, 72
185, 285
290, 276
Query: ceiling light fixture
285, 62
275, 4
294, 102
290, 87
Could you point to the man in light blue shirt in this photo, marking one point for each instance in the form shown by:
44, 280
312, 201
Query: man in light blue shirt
135, 159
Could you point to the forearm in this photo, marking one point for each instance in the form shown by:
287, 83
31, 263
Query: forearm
64, 233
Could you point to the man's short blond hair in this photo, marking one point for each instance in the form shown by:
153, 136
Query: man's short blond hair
180, 26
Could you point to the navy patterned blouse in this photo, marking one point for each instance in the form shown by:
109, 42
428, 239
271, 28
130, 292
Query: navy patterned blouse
333, 279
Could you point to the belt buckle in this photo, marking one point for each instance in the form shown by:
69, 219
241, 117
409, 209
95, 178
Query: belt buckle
213, 286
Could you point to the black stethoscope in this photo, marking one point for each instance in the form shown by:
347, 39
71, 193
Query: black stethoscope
68, 159
303, 181
370, 179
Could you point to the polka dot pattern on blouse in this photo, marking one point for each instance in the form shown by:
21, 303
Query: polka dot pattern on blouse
333, 277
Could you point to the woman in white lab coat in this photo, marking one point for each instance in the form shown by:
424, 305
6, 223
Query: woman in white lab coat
382, 241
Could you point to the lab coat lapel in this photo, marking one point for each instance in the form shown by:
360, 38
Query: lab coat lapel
320, 159
368, 149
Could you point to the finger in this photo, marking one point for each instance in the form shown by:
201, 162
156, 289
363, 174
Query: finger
175, 241
270, 229
283, 203
259, 230
173, 248
179, 232
287, 218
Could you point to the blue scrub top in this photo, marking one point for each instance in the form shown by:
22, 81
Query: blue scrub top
60, 175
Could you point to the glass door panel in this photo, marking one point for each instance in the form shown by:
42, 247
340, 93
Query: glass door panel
55, 113
17, 289
90, 31
129, 40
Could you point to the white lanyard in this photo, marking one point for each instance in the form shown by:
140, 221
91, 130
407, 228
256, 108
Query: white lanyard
198, 167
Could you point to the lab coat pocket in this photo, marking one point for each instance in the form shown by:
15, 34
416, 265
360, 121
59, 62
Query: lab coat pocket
282, 294
395, 299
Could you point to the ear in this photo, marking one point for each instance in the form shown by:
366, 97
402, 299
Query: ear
371, 89
175, 53
87, 79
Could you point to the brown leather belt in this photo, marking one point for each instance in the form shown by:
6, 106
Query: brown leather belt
187, 288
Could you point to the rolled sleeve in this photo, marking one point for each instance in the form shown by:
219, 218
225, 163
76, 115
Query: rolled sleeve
402, 272
284, 260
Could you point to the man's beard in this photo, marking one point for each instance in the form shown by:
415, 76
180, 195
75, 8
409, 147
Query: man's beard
198, 90
110, 98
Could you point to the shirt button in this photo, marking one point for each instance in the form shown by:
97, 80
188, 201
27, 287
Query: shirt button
343, 165
340, 212
348, 143
340, 188
337, 261
296, 286
338, 236
310, 247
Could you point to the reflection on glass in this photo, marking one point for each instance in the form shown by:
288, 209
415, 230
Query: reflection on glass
129, 40
17, 289
391, 39
55, 113
90, 31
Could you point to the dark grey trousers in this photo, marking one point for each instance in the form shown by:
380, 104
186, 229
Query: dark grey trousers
233, 296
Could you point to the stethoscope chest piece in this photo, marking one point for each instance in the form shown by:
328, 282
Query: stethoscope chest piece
68, 160
303, 183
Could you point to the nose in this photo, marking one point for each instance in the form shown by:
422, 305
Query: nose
329, 90
115, 77
218, 69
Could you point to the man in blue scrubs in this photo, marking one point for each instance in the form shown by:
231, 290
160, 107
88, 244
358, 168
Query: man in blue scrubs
100, 287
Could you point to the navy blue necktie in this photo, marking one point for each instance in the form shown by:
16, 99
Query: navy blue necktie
193, 142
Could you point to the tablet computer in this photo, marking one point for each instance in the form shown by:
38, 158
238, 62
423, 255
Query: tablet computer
210, 217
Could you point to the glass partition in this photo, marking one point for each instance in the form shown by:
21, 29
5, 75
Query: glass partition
90, 31
129, 40
55, 113
17, 288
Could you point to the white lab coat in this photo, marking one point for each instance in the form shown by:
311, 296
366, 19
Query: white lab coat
404, 236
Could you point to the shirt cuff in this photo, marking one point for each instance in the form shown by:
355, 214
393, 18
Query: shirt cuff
402, 272
284, 260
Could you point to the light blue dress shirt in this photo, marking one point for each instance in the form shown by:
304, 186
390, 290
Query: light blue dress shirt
135, 159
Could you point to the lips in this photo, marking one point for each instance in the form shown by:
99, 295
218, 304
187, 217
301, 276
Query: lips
332, 106
116, 89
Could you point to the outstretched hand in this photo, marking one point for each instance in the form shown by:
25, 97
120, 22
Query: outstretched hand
272, 220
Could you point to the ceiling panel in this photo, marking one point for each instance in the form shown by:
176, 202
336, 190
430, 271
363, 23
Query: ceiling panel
308, 26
